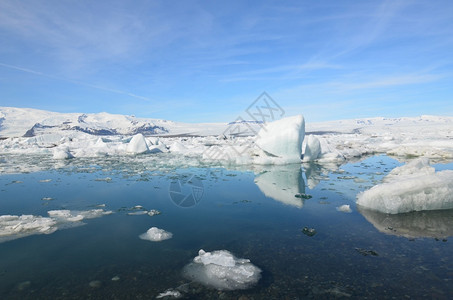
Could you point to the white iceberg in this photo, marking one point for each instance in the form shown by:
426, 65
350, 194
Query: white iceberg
155, 234
283, 138
137, 144
222, 270
412, 187
312, 148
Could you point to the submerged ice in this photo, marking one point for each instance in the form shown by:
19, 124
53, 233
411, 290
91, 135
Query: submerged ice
222, 270
412, 187
14, 227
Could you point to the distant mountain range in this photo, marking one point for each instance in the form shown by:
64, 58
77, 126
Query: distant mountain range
27, 122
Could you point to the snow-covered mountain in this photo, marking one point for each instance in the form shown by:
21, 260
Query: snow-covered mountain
27, 122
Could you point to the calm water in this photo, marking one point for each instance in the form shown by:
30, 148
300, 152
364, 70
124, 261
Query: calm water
252, 213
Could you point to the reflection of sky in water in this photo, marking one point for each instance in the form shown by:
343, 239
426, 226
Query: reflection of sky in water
251, 212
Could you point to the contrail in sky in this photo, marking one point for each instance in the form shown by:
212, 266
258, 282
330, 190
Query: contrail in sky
37, 73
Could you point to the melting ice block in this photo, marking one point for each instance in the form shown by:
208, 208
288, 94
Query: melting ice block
155, 234
412, 187
137, 145
312, 148
222, 270
283, 138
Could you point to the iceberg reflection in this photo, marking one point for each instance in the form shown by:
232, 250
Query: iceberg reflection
282, 183
417, 224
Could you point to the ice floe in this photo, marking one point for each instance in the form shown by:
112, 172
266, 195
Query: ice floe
344, 208
14, 227
155, 234
412, 187
222, 270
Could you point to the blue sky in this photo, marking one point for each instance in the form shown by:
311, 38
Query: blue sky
206, 61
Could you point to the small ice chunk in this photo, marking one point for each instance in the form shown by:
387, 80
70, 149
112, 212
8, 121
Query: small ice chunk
344, 208
60, 153
137, 145
170, 293
154, 212
222, 270
155, 234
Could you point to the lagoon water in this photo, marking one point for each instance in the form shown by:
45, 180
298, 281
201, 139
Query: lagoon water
304, 245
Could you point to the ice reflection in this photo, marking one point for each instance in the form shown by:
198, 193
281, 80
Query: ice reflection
282, 183
419, 224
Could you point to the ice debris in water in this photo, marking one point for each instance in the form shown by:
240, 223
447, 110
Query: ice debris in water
222, 270
62, 153
14, 227
412, 187
170, 293
155, 234
344, 208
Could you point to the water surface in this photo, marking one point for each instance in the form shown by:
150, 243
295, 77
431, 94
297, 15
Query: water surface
251, 212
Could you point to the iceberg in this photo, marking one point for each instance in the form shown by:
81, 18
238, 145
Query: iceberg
283, 138
412, 187
312, 148
155, 234
222, 270
137, 145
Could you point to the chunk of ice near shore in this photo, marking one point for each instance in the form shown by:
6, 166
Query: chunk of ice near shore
222, 270
412, 187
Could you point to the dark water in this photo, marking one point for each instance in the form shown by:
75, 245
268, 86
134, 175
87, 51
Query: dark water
254, 214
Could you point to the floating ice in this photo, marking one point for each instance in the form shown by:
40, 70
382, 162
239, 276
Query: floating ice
312, 148
283, 138
344, 208
170, 293
222, 270
155, 234
14, 227
62, 153
137, 145
412, 187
